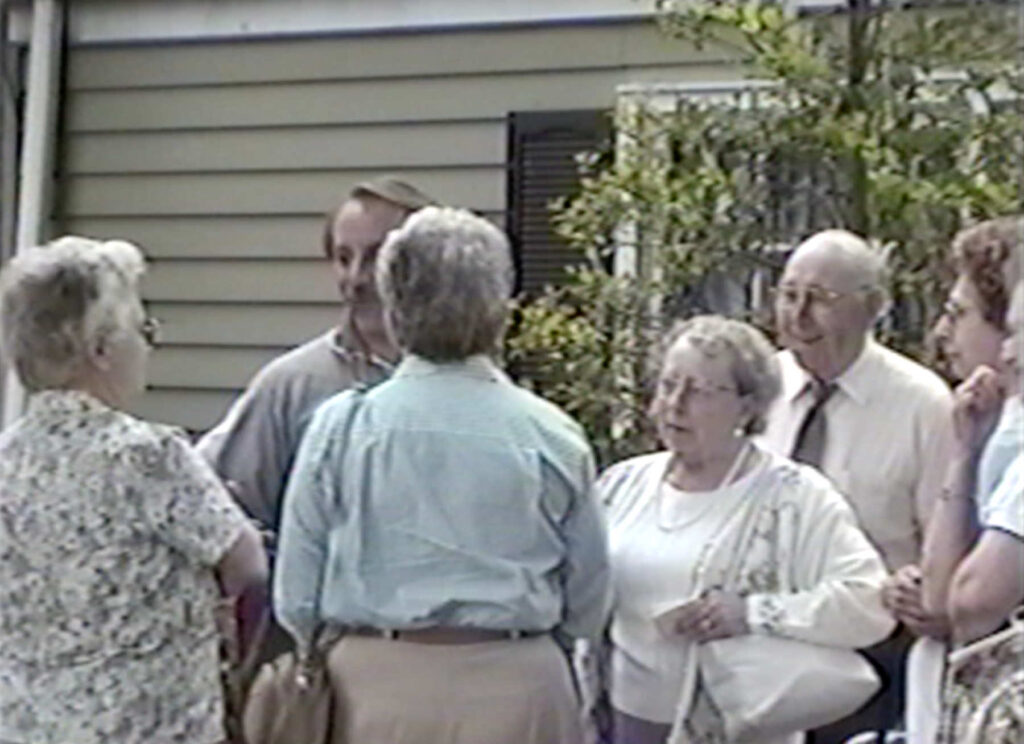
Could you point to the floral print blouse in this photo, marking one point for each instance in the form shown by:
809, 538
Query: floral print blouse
109, 531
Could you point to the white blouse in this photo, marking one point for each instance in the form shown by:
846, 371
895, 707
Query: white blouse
655, 550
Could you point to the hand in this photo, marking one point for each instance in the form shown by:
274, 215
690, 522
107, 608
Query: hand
901, 595
977, 402
714, 616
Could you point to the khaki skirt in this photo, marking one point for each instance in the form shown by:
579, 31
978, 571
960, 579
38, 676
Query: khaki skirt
496, 692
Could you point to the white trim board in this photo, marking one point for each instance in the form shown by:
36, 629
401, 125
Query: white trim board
113, 21
98, 21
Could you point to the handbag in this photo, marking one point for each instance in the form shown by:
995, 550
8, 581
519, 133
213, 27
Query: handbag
765, 686
290, 701
983, 695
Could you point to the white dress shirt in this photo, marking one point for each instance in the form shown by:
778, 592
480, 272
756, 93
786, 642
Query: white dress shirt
653, 570
888, 437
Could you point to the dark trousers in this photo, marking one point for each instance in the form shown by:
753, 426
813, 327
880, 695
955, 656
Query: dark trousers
885, 710
627, 729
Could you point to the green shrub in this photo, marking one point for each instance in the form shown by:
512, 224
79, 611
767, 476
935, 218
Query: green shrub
901, 125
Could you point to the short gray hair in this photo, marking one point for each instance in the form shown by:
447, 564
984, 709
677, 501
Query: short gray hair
60, 300
750, 356
445, 278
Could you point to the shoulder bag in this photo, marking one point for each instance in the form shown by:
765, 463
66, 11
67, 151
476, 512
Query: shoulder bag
290, 701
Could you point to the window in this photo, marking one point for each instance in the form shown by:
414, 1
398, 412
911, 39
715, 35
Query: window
542, 168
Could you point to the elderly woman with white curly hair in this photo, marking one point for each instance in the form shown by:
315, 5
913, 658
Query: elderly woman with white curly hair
117, 542
445, 518
741, 579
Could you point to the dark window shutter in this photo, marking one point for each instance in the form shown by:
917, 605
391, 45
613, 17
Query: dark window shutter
542, 167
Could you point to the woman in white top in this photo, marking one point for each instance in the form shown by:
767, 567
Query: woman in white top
676, 518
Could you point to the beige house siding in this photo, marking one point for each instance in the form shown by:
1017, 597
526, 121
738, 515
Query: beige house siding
220, 157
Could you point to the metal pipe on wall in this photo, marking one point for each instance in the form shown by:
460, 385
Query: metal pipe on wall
8, 153
9, 133
35, 177
10, 136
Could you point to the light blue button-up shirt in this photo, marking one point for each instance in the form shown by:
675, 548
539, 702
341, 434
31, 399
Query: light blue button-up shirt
446, 496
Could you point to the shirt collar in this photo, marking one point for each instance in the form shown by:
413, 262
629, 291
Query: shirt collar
795, 379
346, 346
63, 402
478, 365
855, 382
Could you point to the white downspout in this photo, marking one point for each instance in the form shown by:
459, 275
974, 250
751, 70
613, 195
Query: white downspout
38, 146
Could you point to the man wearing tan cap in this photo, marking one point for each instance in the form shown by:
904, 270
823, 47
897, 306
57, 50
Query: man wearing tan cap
253, 447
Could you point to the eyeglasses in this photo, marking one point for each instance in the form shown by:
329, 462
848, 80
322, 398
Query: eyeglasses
953, 310
792, 295
693, 390
149, 329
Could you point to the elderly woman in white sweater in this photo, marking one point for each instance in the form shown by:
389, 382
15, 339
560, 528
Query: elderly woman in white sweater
716, 539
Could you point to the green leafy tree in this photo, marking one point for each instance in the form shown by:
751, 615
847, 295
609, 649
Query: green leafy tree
900, 124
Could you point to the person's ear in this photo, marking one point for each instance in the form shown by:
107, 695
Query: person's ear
747, 413
877, 303
99, 354
653, 407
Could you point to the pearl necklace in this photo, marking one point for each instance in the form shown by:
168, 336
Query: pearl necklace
731, 474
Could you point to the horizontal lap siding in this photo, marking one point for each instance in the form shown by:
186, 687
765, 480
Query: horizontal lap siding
240, 324
266, 192
632, 44
227, 280
207, 367
287, 148
225, 235
189, 407
220, 159
212, 236
407, 99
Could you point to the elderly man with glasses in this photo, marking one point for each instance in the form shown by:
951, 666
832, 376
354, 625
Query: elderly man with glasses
875, 422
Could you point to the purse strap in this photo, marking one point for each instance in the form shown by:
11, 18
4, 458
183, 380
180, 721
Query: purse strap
750, 515
749, 512
249, 664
